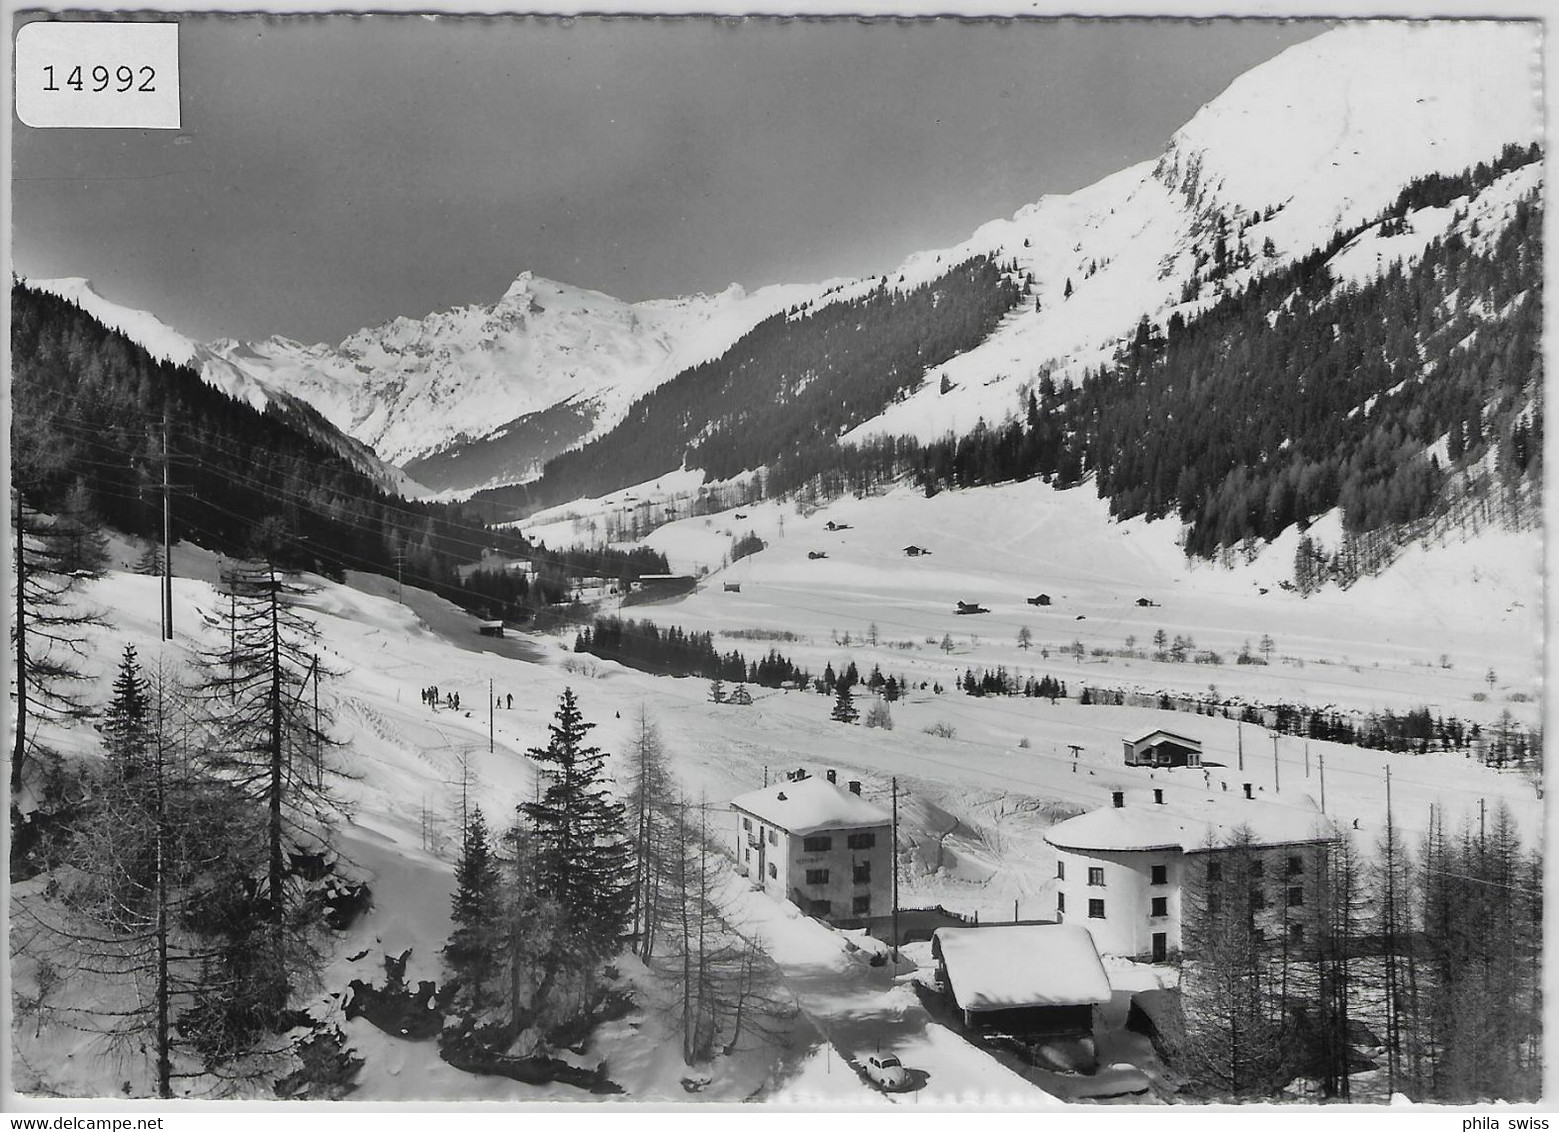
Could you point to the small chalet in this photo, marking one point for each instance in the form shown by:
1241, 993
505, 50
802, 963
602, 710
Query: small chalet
490, 628
915, 551
733, 587
827, 850
1039, 599
1030, 982
1163, 749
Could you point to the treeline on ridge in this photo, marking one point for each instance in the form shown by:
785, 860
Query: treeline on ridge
798, 377
89, 407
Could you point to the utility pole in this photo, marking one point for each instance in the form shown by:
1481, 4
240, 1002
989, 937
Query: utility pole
167, 541
895, 868
1322, 757
1307, 758
489, 715
21, 651
1239, 735
1277, 787
319, 760
400, 563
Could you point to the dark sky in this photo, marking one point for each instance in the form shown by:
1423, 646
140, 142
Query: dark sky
334, 172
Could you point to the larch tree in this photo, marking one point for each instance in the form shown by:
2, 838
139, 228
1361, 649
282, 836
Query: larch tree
268, 739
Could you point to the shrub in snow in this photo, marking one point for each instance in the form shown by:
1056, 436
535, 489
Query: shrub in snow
941, 730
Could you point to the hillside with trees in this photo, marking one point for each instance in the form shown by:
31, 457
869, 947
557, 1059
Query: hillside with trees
798, 378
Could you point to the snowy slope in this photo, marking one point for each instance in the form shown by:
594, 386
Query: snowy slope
150, 332
1327, 134
162, 341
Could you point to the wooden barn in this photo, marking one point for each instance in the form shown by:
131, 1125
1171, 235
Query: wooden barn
490, 628
1161, 748
1028, 982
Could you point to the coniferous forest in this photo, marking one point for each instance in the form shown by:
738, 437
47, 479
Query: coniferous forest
797, 379
90, 409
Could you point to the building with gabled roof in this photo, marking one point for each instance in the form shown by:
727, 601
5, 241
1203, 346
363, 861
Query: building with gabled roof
1160, 748
827, 850
1024, 981
1122, 871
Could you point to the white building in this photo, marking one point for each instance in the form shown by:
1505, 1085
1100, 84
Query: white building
1122, 871
827, 850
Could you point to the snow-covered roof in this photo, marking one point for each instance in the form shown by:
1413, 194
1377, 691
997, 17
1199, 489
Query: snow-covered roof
996, 968
809, 805
1176, 737
1137, 828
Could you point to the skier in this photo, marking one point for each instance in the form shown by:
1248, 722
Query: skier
511, 699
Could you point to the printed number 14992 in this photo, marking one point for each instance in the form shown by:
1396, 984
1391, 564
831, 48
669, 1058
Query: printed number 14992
122, 78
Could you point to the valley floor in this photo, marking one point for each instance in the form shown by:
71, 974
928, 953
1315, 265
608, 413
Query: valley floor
973, 806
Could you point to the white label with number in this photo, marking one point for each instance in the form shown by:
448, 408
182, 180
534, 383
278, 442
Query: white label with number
98, 75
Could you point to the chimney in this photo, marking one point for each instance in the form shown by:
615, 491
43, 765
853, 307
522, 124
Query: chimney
1158, 797
1248, 794
833, 778
855, 786
1119, 798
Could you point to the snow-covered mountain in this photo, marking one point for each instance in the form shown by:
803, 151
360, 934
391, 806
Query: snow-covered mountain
239, 382
540, 368
1324, 135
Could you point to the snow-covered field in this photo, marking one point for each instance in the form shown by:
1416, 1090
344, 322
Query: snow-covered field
973, 806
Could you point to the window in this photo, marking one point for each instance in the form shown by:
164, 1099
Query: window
1160, 874
773, 838
1060, 902
773, 872
816, 844
861, 906
1258, 868
1258, 936
1258, 900
1214, 870
1096, 876
1296, 896
1096, 909
861, 840
817, 876
1160, 906
862, 873
821, 908
1296, 866
747, 855
1060, 870
747, 823
1296, 933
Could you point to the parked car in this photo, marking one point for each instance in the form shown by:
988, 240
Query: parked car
885, 1071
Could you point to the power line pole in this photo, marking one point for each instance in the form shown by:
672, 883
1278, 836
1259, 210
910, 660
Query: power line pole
895, 868
489, 715
1321, 756
1239, 735
167, 541
319, 760
400, 562
1277, 787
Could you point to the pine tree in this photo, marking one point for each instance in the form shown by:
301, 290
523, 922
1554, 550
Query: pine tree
150, 561
583, 856
472, 955
126, 723
844, 706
